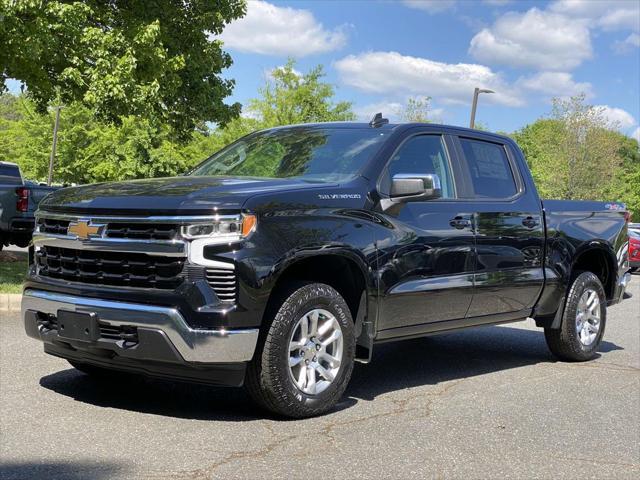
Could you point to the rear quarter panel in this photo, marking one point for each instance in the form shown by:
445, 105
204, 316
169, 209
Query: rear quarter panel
573, 228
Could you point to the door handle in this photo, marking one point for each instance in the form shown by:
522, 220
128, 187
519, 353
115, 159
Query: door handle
530, 222
460, 222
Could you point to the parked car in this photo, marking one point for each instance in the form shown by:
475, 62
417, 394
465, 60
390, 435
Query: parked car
634, 247
294, 251
18, 202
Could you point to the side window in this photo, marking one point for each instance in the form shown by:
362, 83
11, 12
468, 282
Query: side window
424, 154
491, 174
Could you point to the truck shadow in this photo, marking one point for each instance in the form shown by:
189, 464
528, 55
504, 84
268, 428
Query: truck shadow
395, 366
452, 356
59, 470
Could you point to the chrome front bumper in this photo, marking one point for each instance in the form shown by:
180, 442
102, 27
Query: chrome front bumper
194, 345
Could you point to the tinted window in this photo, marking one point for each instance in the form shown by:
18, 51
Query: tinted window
424, 154
310, 153
489, 168
10, 175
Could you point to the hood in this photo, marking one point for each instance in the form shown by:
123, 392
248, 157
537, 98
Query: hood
169, 196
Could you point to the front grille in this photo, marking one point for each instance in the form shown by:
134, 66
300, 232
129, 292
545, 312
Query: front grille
142, 231
110, 268
223, 282
121, 230
49, 225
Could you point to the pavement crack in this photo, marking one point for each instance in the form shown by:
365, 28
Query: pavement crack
401, 406
209, 471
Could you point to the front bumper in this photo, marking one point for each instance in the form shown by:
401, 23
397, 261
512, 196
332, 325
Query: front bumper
161, 333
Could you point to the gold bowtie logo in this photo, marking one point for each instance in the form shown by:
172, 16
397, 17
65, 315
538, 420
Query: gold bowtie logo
83, 230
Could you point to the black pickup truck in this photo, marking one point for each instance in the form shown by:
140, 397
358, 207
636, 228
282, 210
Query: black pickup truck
291, 253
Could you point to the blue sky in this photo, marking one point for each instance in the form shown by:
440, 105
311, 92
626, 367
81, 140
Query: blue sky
379, 53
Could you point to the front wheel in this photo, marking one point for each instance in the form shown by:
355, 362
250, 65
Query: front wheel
583, 322
306, 355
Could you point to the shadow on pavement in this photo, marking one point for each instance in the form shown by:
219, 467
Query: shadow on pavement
452, 356
395, 366
58, 470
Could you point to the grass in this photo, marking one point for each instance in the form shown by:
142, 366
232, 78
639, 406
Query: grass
13, 267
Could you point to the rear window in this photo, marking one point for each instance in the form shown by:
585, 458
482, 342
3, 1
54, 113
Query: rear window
10, 175
489, 167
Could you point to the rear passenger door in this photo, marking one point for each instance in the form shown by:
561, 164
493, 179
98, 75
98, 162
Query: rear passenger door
509, 232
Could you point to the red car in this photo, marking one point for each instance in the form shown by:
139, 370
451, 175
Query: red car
634, 248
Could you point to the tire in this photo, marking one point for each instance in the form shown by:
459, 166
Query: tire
93, 371
574, 341
22, 241
633, 269
279, 387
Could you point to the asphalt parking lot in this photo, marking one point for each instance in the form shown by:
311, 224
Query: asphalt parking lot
484, 403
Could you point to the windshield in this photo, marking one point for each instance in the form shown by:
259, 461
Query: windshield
310, 153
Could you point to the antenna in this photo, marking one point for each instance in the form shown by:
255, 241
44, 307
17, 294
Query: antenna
378, 121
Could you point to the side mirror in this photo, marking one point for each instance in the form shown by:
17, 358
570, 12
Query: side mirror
412, 187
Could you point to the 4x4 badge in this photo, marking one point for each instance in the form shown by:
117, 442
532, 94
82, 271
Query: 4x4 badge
83, 230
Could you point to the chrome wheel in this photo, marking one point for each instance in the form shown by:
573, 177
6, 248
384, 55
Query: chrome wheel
588, 317
315, 351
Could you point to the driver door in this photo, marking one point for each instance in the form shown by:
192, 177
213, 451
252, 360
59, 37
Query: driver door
427, 264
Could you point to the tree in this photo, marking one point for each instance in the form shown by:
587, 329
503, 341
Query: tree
290, 97
90, 150
578, 154
416, 110
157, 60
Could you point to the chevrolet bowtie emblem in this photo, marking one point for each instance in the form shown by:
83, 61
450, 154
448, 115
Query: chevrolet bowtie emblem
83, 230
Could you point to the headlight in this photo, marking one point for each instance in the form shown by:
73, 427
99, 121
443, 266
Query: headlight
222, 228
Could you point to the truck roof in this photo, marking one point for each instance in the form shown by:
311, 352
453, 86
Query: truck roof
394, 127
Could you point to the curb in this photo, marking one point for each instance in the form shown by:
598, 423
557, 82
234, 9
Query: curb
10, 302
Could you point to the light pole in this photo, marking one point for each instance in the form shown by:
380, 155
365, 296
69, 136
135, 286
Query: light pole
53, 147
474, 105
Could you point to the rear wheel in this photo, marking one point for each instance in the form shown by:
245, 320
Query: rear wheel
583, 322
306, 355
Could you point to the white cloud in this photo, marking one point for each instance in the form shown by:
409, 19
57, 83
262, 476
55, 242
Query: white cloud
271, 30
268, 74
636, 134
393, 111
617, 117
628, 44
389, 109
535, 39
431, 6
391, 72
555, 84
606, 14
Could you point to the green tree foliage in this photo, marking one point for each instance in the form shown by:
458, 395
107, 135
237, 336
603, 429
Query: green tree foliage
90, 150
578, 154
290, 97
157, 60
416, 110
